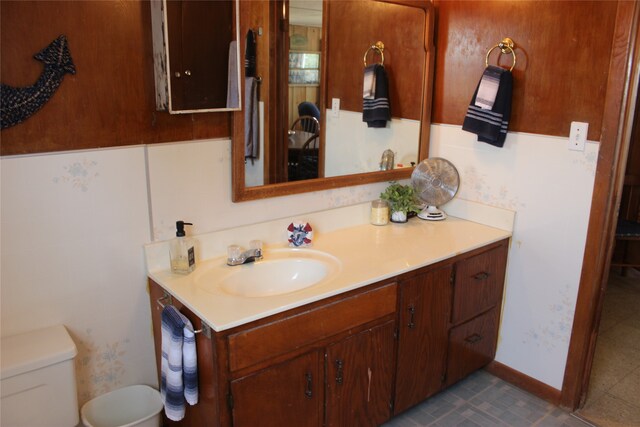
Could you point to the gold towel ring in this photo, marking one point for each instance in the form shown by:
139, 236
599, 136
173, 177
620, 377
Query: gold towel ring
506, 46
379, 46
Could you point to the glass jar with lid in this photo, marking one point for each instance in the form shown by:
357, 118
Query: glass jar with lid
379, 212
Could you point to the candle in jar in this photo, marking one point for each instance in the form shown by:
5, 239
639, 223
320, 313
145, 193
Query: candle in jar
379, 212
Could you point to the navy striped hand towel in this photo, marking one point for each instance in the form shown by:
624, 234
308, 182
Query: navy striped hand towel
250, 55
376, 110
489, 112
178, 368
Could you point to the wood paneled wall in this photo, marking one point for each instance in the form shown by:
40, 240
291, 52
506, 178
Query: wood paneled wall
400, 28
563, 51
110, 101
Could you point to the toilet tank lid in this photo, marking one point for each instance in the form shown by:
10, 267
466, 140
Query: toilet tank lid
34, 350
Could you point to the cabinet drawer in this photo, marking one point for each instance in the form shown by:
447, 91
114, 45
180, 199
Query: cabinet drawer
249, 347
472, 345
478, 283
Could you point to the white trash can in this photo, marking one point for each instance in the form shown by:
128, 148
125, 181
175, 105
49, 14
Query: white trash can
136, 405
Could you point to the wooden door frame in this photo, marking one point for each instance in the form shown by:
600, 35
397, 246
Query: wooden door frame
280, 13
614, 145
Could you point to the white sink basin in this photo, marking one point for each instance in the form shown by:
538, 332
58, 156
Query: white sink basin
281, 271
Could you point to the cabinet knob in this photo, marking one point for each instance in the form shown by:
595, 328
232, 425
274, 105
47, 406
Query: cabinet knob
187, 72
177, 74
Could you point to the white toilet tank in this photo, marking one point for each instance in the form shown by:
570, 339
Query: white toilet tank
38, 380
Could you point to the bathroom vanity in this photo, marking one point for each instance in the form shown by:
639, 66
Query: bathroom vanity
413, 309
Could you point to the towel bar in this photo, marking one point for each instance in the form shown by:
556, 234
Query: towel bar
506, 46
206, 329
379, 47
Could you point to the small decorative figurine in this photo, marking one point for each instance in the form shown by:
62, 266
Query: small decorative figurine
300, 234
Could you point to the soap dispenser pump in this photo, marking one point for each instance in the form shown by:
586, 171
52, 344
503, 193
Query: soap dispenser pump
181, 249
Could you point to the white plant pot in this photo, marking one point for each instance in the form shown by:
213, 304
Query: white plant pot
399, 216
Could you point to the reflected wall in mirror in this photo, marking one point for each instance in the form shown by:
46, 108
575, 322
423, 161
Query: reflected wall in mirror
348, 151
195, 55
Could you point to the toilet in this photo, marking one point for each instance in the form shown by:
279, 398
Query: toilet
37, 379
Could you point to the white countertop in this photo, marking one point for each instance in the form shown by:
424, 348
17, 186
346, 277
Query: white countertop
367, 253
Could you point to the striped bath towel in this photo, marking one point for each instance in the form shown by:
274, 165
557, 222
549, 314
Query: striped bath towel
489, 112
376, 109
178, 369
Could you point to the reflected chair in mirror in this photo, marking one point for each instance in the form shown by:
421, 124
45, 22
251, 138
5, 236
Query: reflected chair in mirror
627, 250
307, 108
303, 149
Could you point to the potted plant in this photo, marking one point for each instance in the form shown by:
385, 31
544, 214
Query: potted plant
402, 201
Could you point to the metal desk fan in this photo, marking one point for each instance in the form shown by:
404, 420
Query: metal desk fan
436, 181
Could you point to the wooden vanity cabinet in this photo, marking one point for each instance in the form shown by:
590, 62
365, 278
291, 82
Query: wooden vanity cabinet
356, 390
448, 322
344, 374
328, 363
353, 359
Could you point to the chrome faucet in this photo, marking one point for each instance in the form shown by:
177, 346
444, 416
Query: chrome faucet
386, 162
237, 256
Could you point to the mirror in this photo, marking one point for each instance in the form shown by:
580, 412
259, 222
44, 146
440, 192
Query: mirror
349, 152
195, 55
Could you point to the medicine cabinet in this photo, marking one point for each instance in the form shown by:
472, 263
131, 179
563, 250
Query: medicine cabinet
196, 59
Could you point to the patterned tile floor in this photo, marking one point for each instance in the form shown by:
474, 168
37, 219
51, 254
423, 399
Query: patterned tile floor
613, 399
482, 400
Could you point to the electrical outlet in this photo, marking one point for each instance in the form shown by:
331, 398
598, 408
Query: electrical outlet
578, 136
335, 107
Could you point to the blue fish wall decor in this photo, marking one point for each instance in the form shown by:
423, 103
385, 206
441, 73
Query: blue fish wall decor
18, 104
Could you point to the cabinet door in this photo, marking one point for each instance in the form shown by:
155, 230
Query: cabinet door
288, 394
472, 345
425, 302
359, 378
199, 37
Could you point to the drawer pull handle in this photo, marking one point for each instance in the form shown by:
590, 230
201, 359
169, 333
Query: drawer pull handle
339, 365
481, 276
412, 312
472, 339
309, 391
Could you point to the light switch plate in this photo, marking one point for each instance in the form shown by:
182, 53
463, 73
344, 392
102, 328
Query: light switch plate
578, 136
335, 107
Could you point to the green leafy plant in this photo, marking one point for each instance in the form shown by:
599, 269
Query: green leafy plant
401, 198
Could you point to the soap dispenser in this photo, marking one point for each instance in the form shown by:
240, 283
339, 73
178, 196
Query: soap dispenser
181, 250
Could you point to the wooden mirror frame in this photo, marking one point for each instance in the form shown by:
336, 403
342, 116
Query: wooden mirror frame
242, 193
